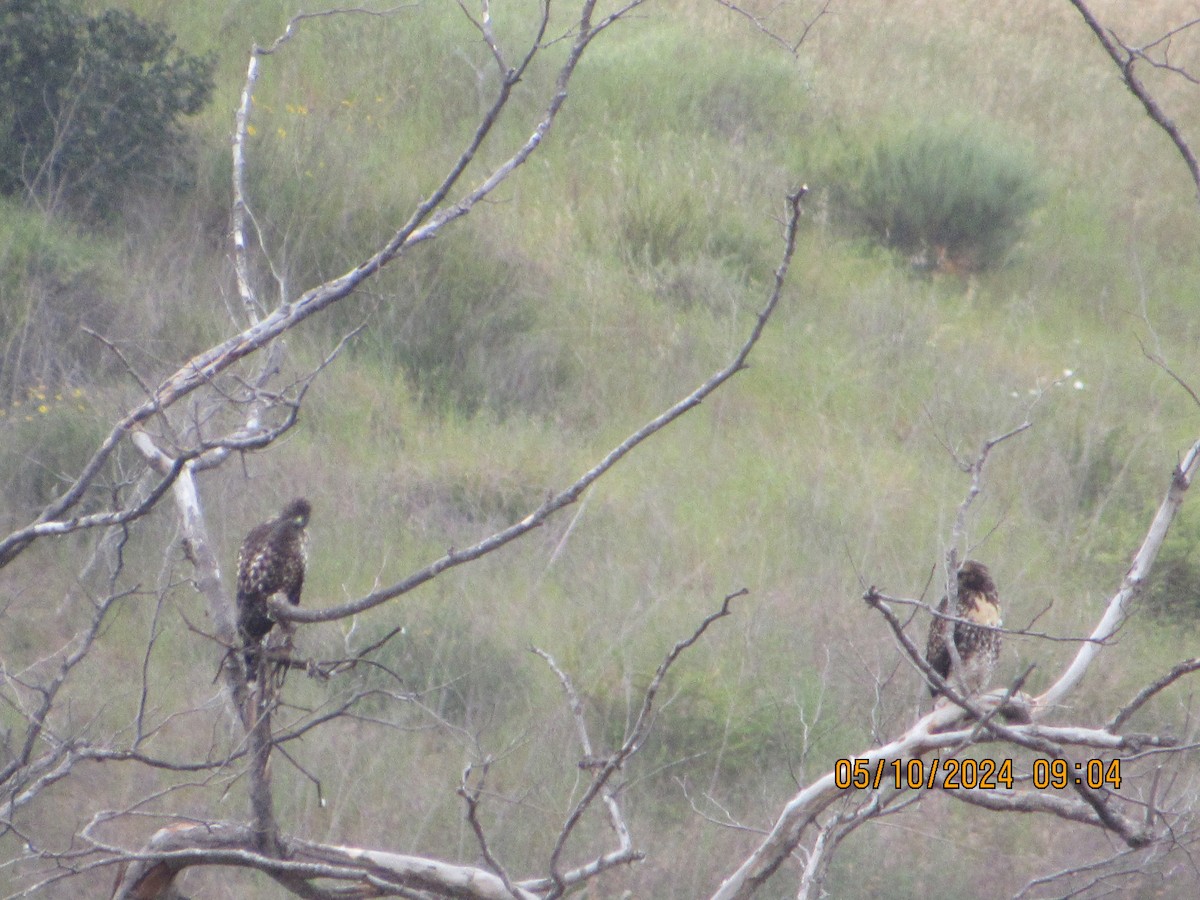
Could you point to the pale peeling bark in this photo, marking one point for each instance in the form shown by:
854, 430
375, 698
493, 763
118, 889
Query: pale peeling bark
941, 730
1118, 608
350, 871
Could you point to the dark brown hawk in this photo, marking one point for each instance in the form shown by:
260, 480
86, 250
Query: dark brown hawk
270, 562
978, 648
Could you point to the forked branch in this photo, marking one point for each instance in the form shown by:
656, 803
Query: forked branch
1125, 59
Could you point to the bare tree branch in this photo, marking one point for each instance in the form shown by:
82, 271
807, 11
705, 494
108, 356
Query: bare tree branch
605, 767
931, 732
569, 495
760, 23
1128, 710
424, 224
1125, 59
470, 795
235, 408
1119, 606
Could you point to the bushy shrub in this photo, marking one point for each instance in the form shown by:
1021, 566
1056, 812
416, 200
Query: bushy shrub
461, 674
954, 198
464, 327
653, 82
52, 284
660, 224
44, 434
1173, 589
90, 104
704, 722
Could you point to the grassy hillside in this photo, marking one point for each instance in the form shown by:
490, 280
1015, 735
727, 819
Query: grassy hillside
620, 268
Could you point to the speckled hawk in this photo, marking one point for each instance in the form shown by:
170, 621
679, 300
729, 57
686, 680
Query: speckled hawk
271, 561
978, 648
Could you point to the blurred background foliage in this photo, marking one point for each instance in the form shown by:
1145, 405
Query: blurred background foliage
91, 105
991, 221
952, 198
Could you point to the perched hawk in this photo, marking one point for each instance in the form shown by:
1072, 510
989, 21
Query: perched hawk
978, 648
270, 562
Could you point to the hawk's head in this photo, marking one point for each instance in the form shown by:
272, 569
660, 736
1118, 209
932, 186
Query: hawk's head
975, 577
296, 513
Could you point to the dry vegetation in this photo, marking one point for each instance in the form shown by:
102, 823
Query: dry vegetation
615, 272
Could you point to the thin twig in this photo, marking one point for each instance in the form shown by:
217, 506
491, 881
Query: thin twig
1126, 712
569, 495
471, 796
1124, 59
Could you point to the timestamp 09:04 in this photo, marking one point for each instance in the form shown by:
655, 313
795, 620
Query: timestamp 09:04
972, 774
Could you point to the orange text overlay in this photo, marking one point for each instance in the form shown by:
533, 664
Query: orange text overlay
973, 774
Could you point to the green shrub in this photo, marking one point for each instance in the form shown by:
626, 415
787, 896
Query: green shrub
653, 82
661, 224
704, 721
91, 104
45, 435
461, 674
956, 197
669, 214
1172, 592
52, 283
465, 328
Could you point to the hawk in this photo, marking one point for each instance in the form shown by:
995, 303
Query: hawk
270, 562
978, 648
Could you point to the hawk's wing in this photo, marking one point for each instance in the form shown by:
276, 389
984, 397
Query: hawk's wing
254, 564
937, 650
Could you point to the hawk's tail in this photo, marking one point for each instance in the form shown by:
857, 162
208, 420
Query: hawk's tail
252, 654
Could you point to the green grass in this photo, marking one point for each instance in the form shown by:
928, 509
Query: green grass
955, 197
53, 279
619, 269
